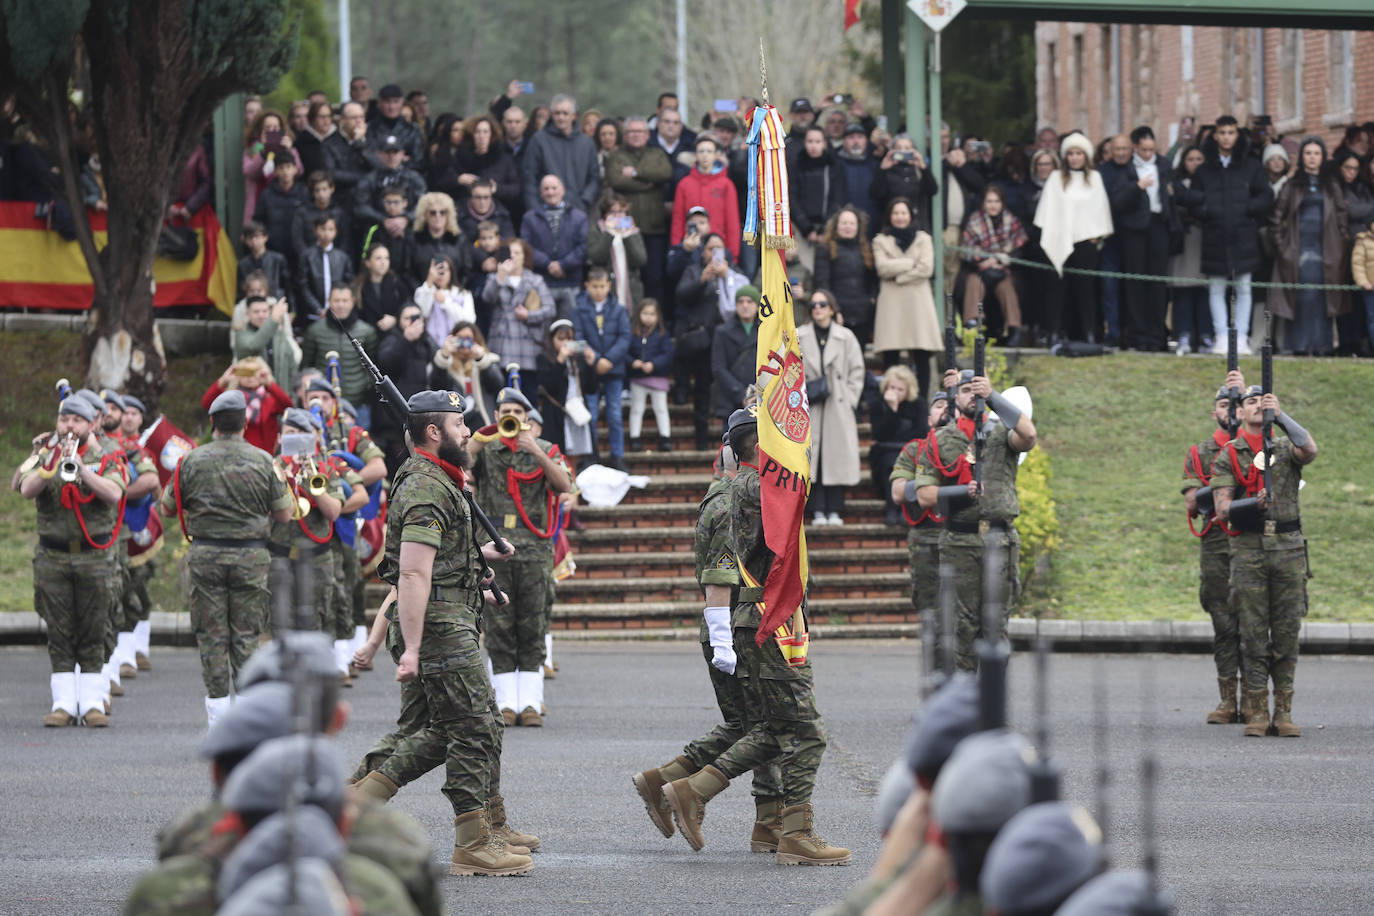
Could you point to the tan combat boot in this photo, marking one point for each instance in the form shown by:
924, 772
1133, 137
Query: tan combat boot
143, 663
477, 851
1257, 719
767, 825
1283, 715
522, 844
688, 797
802, 845
58, 718
95, 719
649, 785
531, 717
127, 670
1225, 713
116, 690
375, 785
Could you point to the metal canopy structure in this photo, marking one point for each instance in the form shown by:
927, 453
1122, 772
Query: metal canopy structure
1320, 14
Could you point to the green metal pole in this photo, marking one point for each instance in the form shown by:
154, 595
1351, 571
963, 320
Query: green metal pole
937, 208
228, 173
892, 60
916, 33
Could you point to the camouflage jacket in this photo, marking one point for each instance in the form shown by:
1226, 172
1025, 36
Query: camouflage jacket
752, 556
923, 525
228, 490
427, 507
715, 560
1234, 468
492, 467
58, 521
291, 532
1197, 472
998, 500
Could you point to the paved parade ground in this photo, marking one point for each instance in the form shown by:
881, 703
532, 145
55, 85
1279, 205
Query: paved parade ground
1246, 826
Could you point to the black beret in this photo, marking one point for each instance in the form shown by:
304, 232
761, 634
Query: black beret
437, 402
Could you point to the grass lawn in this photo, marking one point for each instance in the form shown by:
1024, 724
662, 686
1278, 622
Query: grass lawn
28, 406
1117, 430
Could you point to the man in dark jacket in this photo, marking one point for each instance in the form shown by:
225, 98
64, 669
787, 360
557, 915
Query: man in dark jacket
323, 268
857, 168
602, 323
557, 235
277, 206
1142, 211
367, 197
817, 185
482, 206
733, 355
1113, 172
561, 149
640, 172
388, 123
1232, 197
342, 151
405, 353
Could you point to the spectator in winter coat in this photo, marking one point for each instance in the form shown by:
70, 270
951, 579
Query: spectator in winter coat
1311, 237
1142, 212
1073, 216
197, 185
648, 364
480, 207
733, 357
816, 191
601, 322
325, 336
844, 266
266, 399
387, 123
561, 149
321, 188
266, 334
858, 168
905, 317
615, 243
994, 235
405, 354
708, 186
267, 142
903, 173
464, 364
277, 206
323, 269
1231, 196
442, 301
557, 235
899, 417
522, 307
480, 156
705, 293
380, 294
394, 232
640, 172
256, 257
393, 173
320, 145
349, 158
437, 236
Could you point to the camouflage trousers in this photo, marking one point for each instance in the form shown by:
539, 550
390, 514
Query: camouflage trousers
514, 631
119, 555
1214, 594
1269, 593
137, 603
321, 597
229, 605
73, 593
456, 707
731, 698
967, 563
782, 723
347, 585
924, 556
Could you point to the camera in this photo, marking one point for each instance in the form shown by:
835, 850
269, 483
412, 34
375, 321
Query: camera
465, 343
841, 99
577, 347
903, 156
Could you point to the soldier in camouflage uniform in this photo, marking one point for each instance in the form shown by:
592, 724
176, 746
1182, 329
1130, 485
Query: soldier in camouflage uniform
717, 576
72, 585
343, 435
782, 721
225, 494
143, 485
1269, 569
514, 632
1215, 556
923, 525
979, 518
435, 562
140, 573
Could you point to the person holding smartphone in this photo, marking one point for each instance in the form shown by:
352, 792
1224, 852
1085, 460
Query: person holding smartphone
615, 243
904, 172
266, 140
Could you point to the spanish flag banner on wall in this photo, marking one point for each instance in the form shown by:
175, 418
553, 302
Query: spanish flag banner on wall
784, 417
40, 269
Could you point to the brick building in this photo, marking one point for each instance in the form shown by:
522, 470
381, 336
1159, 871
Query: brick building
1105, 79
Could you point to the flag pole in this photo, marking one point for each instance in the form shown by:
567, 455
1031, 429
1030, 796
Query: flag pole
763, 72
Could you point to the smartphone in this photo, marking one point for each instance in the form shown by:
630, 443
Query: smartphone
903, 156
693, 228
272, 139
727, 105
245, 371
577, 347
465, 343
297, 445
624, 223
527, 88
718, 256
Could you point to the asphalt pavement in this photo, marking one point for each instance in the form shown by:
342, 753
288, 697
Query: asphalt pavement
1244, 826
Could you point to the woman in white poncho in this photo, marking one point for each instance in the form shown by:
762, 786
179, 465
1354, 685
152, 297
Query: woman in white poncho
1074, 217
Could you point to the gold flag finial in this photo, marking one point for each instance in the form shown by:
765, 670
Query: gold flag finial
763, 72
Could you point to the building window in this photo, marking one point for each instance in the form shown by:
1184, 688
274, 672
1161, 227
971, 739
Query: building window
1290, 81
1340, 76
1077, 87
1228, 70
1051, 113
1186, 46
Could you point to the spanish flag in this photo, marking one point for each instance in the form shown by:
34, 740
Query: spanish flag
784, 414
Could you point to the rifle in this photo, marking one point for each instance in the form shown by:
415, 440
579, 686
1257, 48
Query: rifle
980, 435
1267, 385
951, 357
1044, 772
1157, 901
993, 651
390, 396
1232, 360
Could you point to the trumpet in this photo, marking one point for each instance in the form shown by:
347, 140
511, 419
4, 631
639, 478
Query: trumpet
69, 467
510, 426
317, 483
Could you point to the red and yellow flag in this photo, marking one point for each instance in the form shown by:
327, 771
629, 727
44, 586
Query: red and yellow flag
784, 414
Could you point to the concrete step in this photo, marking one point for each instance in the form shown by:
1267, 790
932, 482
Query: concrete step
634, 591
616, 566
688, 613
657, 514
679, 538
691, 484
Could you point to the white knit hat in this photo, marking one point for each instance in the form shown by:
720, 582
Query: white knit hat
1076, 140
1272, 150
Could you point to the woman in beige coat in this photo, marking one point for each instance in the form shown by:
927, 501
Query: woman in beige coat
834, 366
906, 316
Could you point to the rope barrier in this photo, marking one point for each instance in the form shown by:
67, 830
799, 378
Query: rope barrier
1166, 279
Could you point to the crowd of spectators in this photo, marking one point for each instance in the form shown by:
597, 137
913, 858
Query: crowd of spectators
590, 258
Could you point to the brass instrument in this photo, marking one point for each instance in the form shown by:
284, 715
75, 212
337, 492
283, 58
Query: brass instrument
300, 506
69, 467
317, 483
510, 426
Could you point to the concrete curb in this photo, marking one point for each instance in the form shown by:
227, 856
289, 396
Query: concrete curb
25, 628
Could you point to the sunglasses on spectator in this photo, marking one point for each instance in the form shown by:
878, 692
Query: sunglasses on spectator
410, 316
819, 303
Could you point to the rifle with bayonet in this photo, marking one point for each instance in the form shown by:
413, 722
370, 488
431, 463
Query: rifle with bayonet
1232, 361
980, 432
951, 357
1267, 387
992, 648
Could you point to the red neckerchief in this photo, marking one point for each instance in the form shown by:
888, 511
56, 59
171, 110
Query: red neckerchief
454, 472
1252, 479
515, 478
961, 470
74, 499
1221, 437
926, 445
753, 467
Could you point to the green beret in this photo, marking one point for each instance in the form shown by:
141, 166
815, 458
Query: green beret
135, 403
79, 407
437, 402
230, 400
